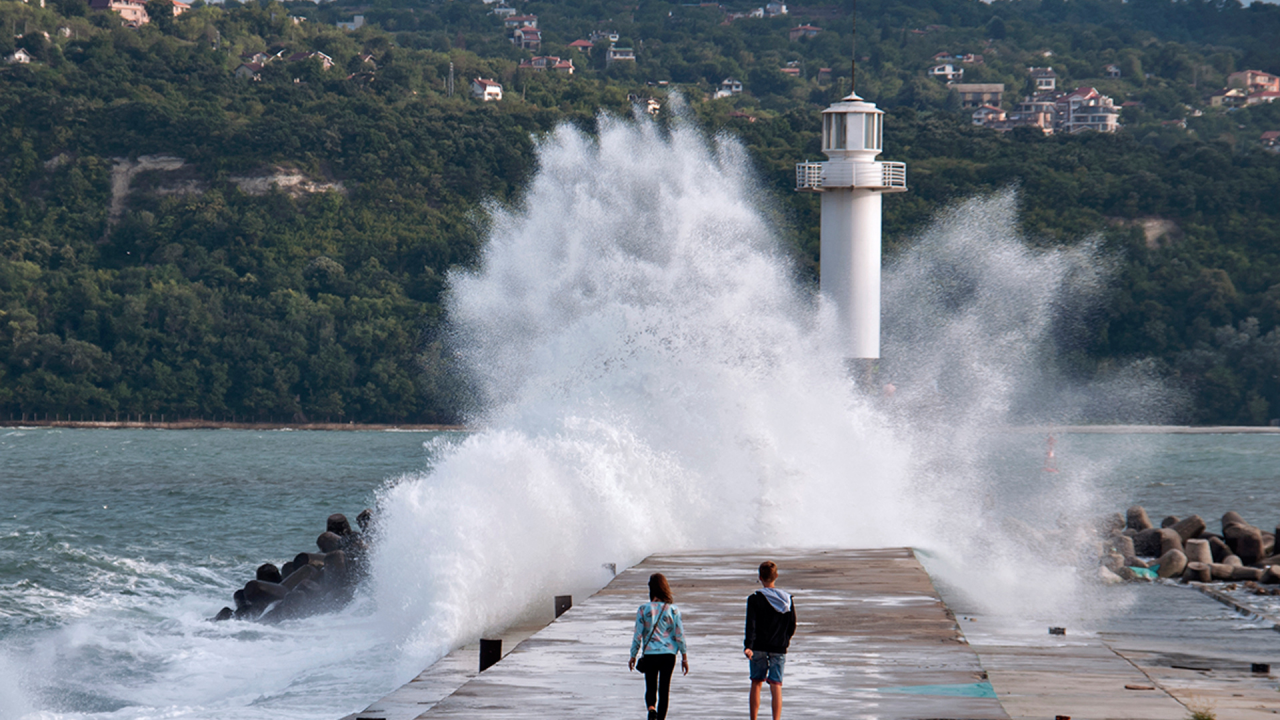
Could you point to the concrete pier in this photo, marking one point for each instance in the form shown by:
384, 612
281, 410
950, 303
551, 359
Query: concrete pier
874, 640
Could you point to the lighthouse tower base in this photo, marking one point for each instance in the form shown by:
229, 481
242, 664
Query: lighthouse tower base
851, 265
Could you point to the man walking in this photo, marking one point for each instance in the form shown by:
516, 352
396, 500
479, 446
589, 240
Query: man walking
771, 621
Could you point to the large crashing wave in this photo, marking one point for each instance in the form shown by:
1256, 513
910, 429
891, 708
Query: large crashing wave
652, 377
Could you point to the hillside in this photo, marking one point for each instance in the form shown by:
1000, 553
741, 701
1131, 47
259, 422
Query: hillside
178, 240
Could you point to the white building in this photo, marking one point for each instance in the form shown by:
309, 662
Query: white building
486, 90
728, 88
19, 57
356, 23
947, 71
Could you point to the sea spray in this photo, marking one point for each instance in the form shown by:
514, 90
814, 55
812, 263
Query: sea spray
652, 377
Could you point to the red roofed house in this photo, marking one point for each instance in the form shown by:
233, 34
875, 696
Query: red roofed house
582, 46
1254, 81
804, 31
1265, 96
528, 38
249, 71
1271, 139
486, 90
988, 114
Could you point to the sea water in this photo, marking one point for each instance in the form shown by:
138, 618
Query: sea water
117, 545
648, 374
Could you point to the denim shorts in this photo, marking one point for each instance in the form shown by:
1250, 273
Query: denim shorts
767, 666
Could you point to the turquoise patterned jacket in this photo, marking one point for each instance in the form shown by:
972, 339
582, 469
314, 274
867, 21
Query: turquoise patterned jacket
668, 639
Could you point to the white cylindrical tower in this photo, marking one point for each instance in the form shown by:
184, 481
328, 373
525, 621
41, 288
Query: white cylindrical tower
852, 182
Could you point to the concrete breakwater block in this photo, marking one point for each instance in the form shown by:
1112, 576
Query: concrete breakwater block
1185, 549
309, 583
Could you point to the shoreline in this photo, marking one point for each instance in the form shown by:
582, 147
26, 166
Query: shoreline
221, 425
421, 427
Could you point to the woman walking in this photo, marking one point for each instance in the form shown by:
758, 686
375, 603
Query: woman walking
660, 635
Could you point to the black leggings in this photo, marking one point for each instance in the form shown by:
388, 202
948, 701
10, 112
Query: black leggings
657, 681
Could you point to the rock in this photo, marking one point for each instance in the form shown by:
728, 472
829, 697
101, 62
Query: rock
1169, 540
1147, 543
335, 568
1172, 563
270, 573
328, 542
365, 519
1268, 544
287, 569
1128, 575
1246, 573
1136, 519
1108, 524
1113, 561
1108, 577
1218, 549
1219, 571
1197, 572
1169, 521
1270, 576
239, 600
1189, 527
338, 524
1233, 561
225, 613
1137, 562
1198, 551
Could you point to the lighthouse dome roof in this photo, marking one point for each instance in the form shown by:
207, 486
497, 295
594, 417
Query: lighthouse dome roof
851, 103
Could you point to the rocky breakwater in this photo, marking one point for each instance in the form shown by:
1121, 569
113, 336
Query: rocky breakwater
1185, 549
310, 583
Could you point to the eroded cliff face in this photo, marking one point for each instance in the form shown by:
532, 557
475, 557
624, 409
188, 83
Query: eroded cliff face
169, 175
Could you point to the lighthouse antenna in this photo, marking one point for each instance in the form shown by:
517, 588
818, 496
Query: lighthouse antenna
853, 62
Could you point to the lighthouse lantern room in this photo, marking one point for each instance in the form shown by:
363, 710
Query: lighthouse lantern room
852, 182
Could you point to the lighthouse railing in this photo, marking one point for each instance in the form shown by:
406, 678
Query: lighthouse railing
809, 176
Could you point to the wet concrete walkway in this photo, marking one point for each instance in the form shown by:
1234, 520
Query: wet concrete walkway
874, 641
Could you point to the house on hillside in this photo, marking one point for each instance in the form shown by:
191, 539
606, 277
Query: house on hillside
134, 12
548, 62
947, 72
19, 57
1111, 71
503, 11
803, 31
972, 59
356, 23
326, 62
824, 76
988, 115
1045, 79
1087, 109
1231, 97
728, 88
249, 71
520, 21
775, 9
1263, 96
583, 46
527, 38
1254, 81
618, 54
1271, 140
603, 36
974, 95
486, 90
1038, 111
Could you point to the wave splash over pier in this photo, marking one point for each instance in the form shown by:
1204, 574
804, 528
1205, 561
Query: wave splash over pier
651, 375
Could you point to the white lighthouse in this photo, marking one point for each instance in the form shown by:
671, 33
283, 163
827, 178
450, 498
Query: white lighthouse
851, 183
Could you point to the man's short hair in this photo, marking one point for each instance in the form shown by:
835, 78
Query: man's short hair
768, 571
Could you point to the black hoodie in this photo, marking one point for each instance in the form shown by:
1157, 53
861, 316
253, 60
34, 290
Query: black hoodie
767, 629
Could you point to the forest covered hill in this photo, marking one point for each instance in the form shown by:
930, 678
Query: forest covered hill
178, 240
